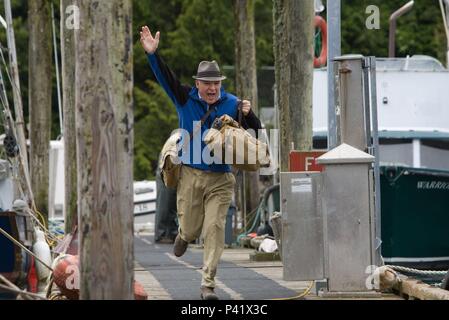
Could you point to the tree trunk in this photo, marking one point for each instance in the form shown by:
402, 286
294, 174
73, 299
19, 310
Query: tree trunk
40, 90
246, 77
104, 125
293, 52
68, 106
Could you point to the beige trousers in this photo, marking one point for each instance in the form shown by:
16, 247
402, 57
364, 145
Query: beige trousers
203, 200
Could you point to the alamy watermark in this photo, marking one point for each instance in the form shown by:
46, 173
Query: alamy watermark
373, 20
72, 18
372, 282
72, 281
230, 146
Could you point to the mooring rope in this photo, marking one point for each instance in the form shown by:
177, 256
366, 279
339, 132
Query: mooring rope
417, 271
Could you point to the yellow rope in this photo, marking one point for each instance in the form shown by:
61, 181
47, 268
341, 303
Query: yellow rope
306, 292
49, 237
39, 214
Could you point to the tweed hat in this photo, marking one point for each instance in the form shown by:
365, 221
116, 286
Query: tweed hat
209, 71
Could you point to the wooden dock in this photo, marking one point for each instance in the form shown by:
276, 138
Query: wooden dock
166, 277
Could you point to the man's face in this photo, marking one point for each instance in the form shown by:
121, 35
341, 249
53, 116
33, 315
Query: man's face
209, 90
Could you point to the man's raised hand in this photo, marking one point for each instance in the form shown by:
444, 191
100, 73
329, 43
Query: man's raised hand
246, 107
149, 43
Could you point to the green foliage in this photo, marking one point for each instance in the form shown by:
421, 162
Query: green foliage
420, 31
204, 31
158, 16
19, 10
195, 30
155, 118
19, 13
264, 32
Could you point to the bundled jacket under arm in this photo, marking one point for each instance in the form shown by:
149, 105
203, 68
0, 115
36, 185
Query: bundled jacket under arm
190, 107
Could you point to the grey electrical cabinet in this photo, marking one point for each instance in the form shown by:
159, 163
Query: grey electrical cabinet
302, 226
353, 119
348, 210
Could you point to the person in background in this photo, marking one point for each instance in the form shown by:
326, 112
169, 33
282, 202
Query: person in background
166, 226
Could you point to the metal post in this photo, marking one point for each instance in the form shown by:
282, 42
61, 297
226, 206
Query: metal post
375, 144
334, 50
243, 195
351, 122
277, 142
357, 89
392, 37
367, 103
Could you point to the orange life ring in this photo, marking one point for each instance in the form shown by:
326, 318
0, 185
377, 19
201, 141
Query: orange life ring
320, 61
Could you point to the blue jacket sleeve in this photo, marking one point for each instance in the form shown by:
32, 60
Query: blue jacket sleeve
178, 93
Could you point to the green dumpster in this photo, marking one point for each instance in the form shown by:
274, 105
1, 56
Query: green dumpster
415, 217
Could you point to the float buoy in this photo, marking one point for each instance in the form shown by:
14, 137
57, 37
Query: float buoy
321, 24
66, 275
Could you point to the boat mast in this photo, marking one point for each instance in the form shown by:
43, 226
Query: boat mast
18, 107
14, 71
58, 86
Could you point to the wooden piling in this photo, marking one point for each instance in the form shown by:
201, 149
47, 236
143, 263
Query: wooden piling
104, 125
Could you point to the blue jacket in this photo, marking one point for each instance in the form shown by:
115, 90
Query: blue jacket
191, 107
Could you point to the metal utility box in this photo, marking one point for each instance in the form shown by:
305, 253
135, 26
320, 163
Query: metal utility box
302, 226
348, 210
352, 108
356, 115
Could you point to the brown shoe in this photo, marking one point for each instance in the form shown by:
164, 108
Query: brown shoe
180, 246
207, 293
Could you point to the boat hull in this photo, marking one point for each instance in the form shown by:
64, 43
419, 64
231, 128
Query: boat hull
415, 217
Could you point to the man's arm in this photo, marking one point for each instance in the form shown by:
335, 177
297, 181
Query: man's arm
178, 93
249, 119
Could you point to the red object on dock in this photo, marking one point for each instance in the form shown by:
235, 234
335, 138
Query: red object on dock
32, 277
300, 161
321, 24
139, 292
66, 276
